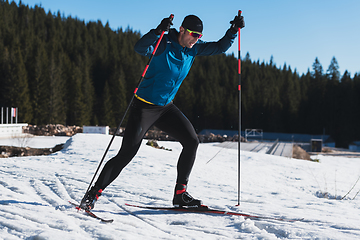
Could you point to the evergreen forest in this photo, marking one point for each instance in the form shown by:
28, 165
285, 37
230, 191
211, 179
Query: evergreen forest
61, 70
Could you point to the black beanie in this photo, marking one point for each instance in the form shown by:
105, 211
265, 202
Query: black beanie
192, 23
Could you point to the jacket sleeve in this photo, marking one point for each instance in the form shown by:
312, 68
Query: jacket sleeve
213, 48
146, 44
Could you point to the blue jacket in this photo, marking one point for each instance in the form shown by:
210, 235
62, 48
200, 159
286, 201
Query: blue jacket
171, 63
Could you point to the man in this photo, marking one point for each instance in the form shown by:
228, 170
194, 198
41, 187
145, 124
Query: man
153, 106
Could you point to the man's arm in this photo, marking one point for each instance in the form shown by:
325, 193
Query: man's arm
145, 46
221, 46
213, 48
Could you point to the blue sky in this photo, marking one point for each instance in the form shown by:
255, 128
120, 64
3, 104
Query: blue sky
293, 32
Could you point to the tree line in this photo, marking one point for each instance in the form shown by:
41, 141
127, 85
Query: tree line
59, 69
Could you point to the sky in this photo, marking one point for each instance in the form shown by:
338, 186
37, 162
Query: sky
292, 32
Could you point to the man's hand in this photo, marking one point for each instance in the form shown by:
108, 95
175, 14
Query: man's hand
164, 26
237, 23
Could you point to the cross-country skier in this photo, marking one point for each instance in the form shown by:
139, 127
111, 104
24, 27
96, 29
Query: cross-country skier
153, 106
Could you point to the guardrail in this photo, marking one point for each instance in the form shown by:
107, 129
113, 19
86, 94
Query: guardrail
272, 147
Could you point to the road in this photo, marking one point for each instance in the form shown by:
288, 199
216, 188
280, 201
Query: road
278, 149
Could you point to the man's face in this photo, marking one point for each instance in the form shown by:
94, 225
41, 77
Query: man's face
185, 39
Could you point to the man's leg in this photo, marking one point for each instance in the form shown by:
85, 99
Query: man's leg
142, 117
178, 126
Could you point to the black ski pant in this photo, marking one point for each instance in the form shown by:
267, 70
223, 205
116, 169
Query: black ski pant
143, 116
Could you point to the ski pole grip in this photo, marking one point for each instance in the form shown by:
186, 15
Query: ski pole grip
239, 13
171, 17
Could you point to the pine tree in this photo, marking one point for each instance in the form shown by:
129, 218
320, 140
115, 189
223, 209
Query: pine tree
39, 84
117, 94
14, 85
5, 73
20, 81
317, 69
107, 109
347, 116
58, 69
289, 98
76, 109
332, 97
56, 106
87, 90
333, 70
315, 103
303, 120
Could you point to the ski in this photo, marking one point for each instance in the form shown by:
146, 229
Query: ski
91, 213
206, 209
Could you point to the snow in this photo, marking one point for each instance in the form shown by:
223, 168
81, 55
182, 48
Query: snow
34, 194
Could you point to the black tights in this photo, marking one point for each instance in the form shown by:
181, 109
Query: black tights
142, 116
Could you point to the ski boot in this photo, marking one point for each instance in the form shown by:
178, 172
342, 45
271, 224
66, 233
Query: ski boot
183, 199
90, 198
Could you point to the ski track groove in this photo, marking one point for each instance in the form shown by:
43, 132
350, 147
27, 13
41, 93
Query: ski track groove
70, 187
12, 217
255, 148
44, 190
11, 230
8, 173
16, 215
144, 220
54, 187
50, 192
71, 178
6, 186
67, 188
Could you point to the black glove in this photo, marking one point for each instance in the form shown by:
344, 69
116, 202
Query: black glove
237, 23
163, 26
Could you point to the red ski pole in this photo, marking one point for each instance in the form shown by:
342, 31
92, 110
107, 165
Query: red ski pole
128, 107
239, 88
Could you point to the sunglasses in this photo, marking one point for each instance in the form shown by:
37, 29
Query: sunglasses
195, 34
